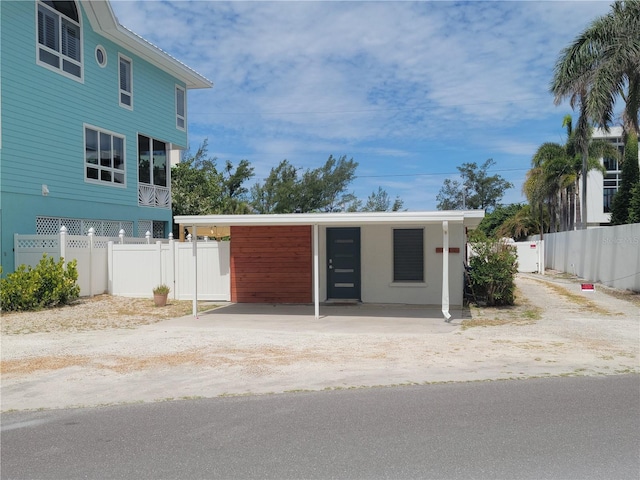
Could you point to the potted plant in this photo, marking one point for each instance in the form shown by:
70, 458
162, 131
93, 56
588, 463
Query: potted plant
160, 294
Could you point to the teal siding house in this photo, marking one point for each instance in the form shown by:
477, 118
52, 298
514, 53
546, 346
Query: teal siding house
92, 116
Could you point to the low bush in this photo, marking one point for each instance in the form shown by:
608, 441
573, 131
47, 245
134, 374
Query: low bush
492, 270
49, 284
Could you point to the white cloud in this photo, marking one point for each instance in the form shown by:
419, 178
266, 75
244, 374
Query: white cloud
373, 80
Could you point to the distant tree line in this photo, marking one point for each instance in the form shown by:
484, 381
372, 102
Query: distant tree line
199, 186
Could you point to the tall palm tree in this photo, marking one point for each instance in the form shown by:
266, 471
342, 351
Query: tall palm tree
602, 64
553, 182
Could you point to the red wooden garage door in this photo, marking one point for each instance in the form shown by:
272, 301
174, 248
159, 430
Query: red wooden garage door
271, 264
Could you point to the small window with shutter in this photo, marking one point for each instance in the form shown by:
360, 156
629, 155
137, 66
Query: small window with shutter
408, 255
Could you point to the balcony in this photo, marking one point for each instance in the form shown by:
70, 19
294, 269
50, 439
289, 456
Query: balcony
154, 196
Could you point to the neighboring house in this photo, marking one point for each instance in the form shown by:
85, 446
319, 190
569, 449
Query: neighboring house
380, 257
91, 117
601, 188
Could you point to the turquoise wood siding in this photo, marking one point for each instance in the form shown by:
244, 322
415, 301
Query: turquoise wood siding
43, 119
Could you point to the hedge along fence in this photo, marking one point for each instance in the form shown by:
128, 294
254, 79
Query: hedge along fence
132, 267
89, 252
49, 284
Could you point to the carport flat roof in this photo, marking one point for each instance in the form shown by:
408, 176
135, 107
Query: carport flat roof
470, 218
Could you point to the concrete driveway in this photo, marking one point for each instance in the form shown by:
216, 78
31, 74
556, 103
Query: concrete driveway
356, 318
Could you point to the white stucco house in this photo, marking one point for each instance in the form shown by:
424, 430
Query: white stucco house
380, 257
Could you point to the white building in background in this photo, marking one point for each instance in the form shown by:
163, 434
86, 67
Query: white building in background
601, 188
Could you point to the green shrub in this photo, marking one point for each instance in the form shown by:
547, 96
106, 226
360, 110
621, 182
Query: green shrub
47, 285
493, 268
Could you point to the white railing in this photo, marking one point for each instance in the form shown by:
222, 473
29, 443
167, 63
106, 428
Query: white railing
154, 196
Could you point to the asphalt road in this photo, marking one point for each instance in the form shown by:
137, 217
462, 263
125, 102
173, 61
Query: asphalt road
560, 428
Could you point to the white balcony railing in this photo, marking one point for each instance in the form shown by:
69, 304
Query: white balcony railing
154, 196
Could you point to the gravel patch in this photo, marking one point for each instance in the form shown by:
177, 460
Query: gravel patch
110, 350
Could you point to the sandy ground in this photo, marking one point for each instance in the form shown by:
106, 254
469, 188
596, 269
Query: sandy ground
101, 353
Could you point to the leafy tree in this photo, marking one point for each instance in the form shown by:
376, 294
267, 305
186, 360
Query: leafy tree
493, 220
323, 189
620, 213
381, 202
476, 190
634, 205
521, 225
198, 188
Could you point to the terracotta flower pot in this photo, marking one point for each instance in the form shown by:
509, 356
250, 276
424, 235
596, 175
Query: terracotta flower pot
160, 299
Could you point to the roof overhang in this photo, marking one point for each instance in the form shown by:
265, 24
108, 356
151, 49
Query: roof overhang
469, 218
104, 21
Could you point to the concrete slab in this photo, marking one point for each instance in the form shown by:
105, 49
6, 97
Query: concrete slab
350, 318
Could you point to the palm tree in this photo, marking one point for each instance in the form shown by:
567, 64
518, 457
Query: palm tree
553, 182
601, 64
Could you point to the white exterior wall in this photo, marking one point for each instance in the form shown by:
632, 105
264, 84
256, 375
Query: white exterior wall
595, 204
376, 258
608, 255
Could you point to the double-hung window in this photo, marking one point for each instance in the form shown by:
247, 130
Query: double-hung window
181, 108
104, 157
125, 76
59, 37
408, 255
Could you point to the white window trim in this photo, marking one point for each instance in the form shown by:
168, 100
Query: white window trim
168, 166
38, 46
184, 108
111, 169
120, 91
104, 51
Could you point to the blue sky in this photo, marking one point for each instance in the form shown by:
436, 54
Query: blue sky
409, 90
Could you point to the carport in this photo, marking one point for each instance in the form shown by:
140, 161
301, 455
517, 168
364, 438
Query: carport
412, 258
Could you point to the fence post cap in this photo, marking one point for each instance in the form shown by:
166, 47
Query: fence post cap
92, 231
189, 237
148, 234
170, 235
121, 232
63, 229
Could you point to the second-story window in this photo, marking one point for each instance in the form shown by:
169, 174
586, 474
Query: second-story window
125, 75
181, 109
59, 39
104, 157
152, 161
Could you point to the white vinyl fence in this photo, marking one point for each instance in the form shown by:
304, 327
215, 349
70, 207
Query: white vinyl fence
135, 269
607, 255
133, 266
530, 256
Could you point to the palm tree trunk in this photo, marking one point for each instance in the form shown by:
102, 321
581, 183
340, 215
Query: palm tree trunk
585, 157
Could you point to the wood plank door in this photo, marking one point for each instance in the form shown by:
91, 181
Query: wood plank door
343, 263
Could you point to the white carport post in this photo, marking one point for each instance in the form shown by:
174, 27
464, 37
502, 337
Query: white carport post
194, 250
316, 272
445, 271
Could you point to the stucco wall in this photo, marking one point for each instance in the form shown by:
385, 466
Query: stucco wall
377, 267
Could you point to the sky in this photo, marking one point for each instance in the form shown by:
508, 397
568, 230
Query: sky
408, 90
